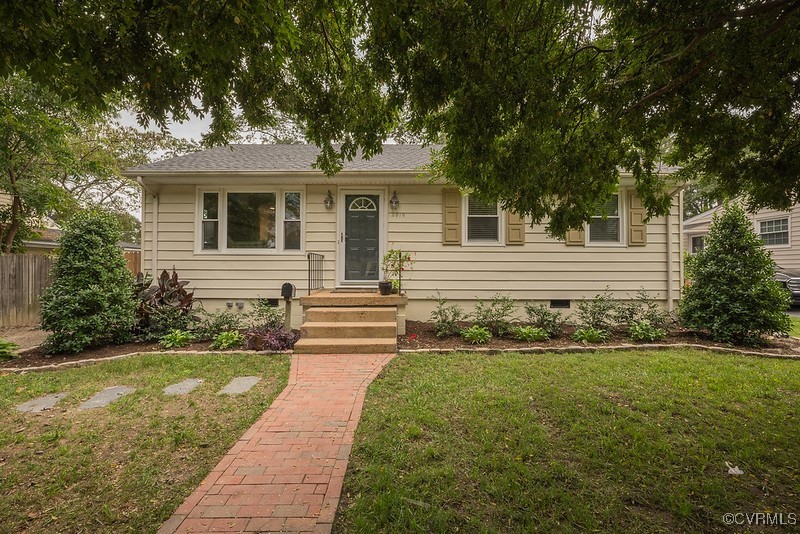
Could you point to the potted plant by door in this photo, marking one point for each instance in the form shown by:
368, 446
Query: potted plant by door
394, 263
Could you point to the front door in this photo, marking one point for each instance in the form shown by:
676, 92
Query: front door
361, 237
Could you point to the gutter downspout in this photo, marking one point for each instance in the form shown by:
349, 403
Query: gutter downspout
154, 252
670, 280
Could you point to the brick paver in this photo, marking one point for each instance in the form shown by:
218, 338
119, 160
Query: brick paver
285, 473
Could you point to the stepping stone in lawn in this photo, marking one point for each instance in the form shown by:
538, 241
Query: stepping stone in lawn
106, 397
41, 404
239, 385
183, 388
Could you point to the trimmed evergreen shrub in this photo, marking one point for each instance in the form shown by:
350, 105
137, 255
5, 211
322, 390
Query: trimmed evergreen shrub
540, 317
89, 302
496, 316
733, 294
446, 318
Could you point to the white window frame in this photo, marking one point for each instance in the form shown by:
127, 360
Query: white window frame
621, 209
769, 219
222, 214
200, 206
501, 229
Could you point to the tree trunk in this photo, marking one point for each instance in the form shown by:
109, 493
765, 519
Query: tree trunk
11, 232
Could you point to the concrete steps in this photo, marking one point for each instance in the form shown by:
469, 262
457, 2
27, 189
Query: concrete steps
332, 326
351, 314
346, 346
347, 329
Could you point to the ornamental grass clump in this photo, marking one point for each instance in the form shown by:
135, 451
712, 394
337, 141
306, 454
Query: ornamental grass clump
733, 295
90, 302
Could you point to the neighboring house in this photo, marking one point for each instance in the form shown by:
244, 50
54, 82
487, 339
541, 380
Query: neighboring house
774, 227
239, 221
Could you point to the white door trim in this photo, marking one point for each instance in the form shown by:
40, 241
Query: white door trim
340, 225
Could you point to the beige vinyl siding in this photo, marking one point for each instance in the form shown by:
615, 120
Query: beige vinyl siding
541, 269
785, 256
218, 277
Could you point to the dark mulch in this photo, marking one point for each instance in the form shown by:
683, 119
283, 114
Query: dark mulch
421, 335
37, 357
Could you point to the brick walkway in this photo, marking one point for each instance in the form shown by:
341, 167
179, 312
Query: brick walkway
285, 473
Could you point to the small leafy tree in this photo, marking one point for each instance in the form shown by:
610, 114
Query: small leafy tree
90, 301
733, 294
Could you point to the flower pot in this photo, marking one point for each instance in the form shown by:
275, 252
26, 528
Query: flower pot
385, 287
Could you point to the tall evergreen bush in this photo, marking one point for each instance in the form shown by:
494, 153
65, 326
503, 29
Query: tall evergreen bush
90, 302
733, 294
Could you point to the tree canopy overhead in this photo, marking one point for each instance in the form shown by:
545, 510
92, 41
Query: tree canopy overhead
56, 159
539, 103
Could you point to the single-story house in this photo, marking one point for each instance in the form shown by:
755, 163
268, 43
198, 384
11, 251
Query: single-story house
775, 228
239, 221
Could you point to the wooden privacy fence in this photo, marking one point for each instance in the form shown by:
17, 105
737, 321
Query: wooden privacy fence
23, 278
133, 260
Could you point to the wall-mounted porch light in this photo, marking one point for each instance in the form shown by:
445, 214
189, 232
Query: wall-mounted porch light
328, 201
394, 202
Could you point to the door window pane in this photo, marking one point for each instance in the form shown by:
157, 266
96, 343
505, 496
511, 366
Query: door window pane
251, 220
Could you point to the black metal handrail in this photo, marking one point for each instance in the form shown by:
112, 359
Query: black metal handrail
315, 271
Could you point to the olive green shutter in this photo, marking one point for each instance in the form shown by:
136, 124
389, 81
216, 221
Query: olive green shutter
451, 217
515, 229
576, 238
637, 229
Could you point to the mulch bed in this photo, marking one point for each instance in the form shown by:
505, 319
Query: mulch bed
421, 335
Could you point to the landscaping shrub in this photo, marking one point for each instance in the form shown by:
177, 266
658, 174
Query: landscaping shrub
446, 318
589, 334
228, 340
265, 315
8, 349
175, 339
496, 315
270, 338
642, 308
644, 330
89, 302
163, 307
733, 295
215, 323
530, 333
599, 313
549, 320
476, 335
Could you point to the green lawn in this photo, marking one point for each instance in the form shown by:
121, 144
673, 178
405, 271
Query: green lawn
619, 442
795, 331
127, 467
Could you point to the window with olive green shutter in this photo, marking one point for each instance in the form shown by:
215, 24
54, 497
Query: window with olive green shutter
515, 229
637, 229
576, 238
451, 217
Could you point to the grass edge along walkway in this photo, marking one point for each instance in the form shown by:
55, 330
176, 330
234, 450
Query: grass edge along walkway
609, 441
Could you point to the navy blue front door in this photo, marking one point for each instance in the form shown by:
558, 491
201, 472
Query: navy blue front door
362, 230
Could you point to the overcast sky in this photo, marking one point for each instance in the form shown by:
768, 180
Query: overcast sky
191, 129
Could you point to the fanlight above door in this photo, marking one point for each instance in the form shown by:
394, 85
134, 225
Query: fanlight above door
362, 204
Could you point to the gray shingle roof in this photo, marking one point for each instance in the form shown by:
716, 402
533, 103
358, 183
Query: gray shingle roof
285, 158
